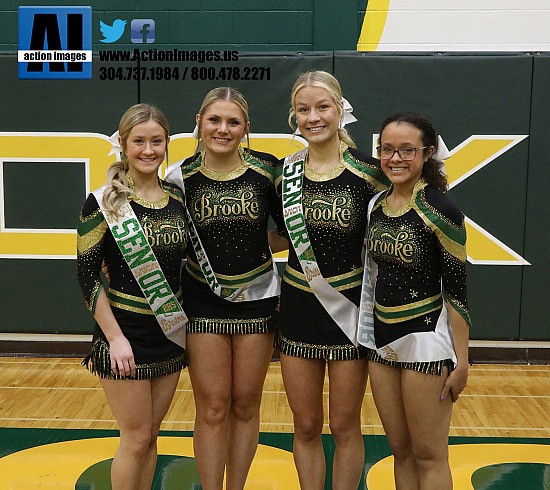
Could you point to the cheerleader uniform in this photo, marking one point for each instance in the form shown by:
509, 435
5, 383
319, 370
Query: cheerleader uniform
164, 226
231, 213
335, 212
420, 252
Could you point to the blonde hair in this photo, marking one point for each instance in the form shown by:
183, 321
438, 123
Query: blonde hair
324, 80
223, 93
117, 174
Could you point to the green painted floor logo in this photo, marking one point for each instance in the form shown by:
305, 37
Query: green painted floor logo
33, 457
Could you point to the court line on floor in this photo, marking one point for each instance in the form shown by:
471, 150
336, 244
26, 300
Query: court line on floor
268, 392
285, 424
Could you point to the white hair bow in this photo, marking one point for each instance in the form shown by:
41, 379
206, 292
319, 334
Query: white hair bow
442, 152
348, 117
116, 149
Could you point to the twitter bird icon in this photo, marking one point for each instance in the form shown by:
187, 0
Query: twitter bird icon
112, 33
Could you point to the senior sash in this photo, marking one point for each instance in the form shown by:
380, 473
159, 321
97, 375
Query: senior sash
343, 311
365, 330
141, 260
264, 286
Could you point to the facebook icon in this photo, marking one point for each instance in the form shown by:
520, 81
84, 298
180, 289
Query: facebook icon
142, 31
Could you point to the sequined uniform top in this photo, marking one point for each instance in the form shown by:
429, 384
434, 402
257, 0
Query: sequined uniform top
164, 226
335, 211
231, 213
420, 251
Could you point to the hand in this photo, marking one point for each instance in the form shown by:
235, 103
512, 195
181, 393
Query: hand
122, 357
455, 383
105, 270
277, 243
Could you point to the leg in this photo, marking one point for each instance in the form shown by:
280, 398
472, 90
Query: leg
251, 357
428, 419
348, 380
304, 380
163, 390
386, 389
130, 401
210, 372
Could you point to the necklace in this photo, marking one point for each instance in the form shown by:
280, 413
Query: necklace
235, 170
330, 174
159, 203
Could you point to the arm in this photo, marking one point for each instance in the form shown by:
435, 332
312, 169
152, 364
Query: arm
277, 243
277, 238
456, 381
120, 351
453, 258
90, 254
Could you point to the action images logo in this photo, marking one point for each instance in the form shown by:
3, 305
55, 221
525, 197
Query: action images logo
54, 43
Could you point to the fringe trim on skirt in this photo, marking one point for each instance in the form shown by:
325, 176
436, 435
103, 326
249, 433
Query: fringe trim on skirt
99, 362
231, 326
431, 367
323, 352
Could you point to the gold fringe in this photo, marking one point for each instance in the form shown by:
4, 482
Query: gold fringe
321, 352
231, 326
431, 367
99, 362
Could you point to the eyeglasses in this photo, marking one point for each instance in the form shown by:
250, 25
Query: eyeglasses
406, 154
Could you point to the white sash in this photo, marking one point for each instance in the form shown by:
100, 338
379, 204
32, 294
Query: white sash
141, 260
267, 285
343, 311
365, 330
413, 347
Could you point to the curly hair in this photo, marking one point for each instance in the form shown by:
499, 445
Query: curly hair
432, 170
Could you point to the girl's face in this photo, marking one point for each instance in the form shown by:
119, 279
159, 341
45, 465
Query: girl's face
146, 148
317, 115
404, 168
222, 127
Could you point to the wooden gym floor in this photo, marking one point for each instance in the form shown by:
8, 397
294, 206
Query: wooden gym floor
56, 431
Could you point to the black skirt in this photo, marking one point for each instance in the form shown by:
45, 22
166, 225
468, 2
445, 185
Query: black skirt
154, 354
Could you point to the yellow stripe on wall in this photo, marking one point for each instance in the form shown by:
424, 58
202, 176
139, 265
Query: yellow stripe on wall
373, 25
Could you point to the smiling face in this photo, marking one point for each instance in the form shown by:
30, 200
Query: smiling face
222, 127
317, 115
145, 147
398, 136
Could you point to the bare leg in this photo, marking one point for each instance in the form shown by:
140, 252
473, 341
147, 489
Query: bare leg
428, 419
251, 357
163, 390
303, 380
348, 380
387, 392
139, 409
210, 372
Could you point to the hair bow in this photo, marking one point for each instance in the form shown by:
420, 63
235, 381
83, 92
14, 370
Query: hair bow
348, 117
442, 152
116, 149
